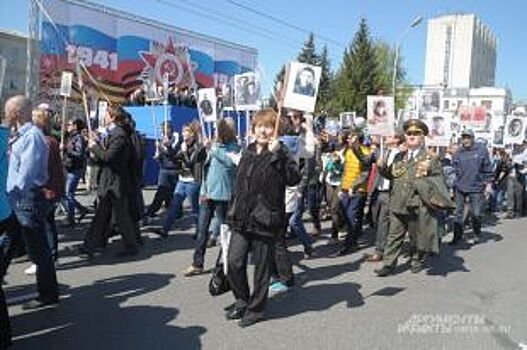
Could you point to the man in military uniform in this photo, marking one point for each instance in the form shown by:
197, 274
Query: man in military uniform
418, 195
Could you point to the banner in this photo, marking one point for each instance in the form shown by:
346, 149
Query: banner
474, 117
121, 51
515, 130
302, 86
381, 118
247, 92
439, 129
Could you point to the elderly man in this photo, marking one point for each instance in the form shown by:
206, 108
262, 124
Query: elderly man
27, 174
417, 196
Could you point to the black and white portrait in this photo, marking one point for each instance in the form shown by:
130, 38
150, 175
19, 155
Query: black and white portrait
515, 127
301, 86
305, 82
247, 91
207, 104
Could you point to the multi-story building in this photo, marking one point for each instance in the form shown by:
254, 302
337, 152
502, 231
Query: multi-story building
460, 52
13, 48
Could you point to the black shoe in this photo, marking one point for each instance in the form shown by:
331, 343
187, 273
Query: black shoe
38, 303
82, 215
384, 271
454, 241
230, 307
308, 252
235, 313
85, 252
162, 233
250, 318
416, 268
128, 252
342, 252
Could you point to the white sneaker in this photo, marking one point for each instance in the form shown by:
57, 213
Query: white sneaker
31, 270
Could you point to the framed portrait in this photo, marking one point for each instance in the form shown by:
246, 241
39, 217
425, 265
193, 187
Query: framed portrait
380, 115
302, 86
246, 92
514, 129
207, 105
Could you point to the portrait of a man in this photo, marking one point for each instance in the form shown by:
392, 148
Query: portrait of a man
206, 106
305, 82
438, 126
515, 127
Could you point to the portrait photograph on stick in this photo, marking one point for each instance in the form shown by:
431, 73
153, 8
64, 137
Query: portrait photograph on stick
302, 86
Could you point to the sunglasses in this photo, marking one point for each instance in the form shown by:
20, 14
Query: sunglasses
414, 133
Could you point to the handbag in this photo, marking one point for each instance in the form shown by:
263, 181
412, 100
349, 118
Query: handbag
218, 283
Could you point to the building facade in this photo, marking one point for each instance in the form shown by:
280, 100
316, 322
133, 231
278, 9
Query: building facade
460, 52
13, 48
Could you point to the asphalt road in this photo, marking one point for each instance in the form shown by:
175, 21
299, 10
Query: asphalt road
472, 297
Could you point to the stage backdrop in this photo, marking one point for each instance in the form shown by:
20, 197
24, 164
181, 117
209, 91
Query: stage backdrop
123, 51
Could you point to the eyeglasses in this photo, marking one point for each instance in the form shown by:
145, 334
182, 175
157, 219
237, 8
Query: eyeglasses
414, 133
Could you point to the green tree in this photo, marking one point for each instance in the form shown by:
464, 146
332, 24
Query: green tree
324, 89
357, 77
384, 77
308, 53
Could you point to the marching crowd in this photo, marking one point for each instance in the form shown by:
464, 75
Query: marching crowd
396, 185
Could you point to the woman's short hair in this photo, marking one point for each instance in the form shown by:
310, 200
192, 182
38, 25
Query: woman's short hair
226, 130
266, 117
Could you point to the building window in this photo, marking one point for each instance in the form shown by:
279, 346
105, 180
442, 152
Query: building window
487, 104
448, 48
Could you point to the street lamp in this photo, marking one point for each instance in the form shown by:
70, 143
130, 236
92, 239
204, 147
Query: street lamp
417, 20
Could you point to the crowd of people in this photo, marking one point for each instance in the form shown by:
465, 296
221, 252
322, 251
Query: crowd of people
260, 192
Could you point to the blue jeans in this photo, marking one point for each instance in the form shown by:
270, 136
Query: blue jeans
353, 207
30, 212
72, 181
183, 190
206, 210
297, 225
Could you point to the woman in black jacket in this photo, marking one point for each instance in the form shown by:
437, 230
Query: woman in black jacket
257, 216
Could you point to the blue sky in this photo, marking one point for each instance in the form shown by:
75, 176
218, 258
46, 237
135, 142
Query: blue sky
331, 19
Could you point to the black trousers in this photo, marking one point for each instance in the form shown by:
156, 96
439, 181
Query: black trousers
6, 248
281, 266
261, 249
119, 208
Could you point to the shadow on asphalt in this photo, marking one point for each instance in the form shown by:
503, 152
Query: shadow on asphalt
153, 245
319, 297
102, 316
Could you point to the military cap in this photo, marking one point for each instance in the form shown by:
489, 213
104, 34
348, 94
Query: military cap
415, 125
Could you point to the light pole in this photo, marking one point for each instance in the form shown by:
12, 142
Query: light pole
417, 20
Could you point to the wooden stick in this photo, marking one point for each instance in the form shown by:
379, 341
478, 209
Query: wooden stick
63, 125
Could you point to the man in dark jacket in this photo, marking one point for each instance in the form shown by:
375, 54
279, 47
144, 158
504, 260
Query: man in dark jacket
74, 161
257, 216
116, 186
474, 175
